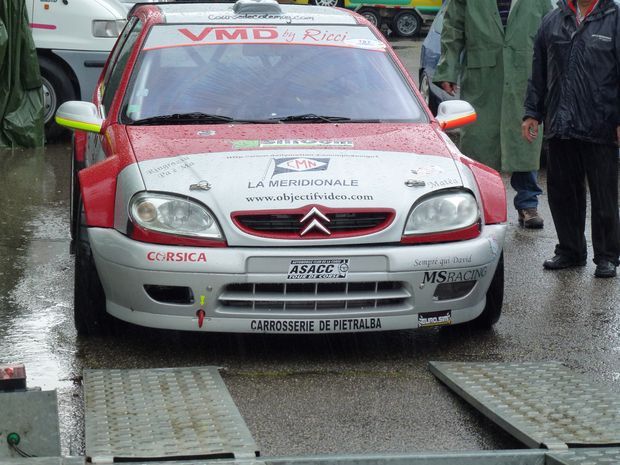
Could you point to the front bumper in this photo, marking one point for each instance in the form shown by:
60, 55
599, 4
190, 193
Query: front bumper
246, 290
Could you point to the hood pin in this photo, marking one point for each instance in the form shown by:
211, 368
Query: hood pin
201, 186
414, 183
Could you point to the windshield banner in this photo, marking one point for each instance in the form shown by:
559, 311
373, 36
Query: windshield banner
165, 36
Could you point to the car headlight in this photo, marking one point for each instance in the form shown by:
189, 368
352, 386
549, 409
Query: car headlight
446, 211
173, 215
105, 28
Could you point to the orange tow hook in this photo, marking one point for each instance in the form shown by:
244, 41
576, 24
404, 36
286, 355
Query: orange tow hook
201, 317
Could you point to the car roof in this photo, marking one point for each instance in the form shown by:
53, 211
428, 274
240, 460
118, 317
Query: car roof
251, 12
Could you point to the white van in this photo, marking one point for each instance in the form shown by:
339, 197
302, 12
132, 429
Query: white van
73, 40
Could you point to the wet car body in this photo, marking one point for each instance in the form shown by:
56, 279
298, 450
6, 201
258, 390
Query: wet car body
272, 219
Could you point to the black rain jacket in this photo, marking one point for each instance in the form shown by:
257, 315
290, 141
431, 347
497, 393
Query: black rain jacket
575, 82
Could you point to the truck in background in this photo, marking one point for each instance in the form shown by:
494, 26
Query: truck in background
73, 40
403, 17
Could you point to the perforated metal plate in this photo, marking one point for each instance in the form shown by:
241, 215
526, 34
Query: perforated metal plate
162, 414
541, 404
601, 456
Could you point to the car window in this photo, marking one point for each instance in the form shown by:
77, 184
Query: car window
113, 79
257, 81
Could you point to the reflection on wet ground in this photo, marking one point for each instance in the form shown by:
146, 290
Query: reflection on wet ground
299, 395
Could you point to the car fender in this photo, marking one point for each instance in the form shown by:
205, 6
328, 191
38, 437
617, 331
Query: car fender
98, 189
490, 185
492, 191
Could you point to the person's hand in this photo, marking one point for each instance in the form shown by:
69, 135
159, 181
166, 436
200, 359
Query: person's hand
529, 129
449, 87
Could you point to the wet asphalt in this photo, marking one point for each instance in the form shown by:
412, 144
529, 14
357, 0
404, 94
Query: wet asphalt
299, 395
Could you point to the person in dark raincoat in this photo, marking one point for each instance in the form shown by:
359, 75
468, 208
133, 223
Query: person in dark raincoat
497, 39
21, 96
575, 90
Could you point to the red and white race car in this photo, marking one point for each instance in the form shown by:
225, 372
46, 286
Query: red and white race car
256, 167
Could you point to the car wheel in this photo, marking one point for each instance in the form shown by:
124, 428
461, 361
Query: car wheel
331, 3
372, 16
89, 303
57, 89
406, 24
425, 90
495, 298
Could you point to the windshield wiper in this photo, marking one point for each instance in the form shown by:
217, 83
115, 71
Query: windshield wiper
182, 118
310, 117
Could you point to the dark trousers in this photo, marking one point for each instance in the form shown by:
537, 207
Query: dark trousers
569, 164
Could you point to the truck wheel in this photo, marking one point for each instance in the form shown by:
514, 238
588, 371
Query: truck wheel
89, 304
372, 16
406, 24
57, 89
331, 3
495, 298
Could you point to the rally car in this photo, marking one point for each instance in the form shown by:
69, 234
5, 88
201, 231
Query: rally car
231, 176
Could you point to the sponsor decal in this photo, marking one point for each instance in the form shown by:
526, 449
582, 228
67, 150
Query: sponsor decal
331, 268
370, 44
304, 183
440, 318
285, 18
313, 196
427, 170
454, 276
312, 326
440, 183
247, 144
171, 167
296, 165
231, 34
187, 257
428, 262
206, 133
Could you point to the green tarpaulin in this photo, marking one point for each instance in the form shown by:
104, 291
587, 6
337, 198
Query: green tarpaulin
21, 98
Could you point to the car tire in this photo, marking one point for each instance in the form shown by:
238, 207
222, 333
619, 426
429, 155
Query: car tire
425, 90
406, 24
89, 302
495, 298
372, 16
57, 89
330, 3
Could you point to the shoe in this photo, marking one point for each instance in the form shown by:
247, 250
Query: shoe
605, 269
559, 262
530, 219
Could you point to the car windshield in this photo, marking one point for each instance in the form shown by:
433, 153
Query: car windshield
269, 82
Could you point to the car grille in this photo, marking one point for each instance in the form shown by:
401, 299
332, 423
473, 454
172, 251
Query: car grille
289, 225
315, 297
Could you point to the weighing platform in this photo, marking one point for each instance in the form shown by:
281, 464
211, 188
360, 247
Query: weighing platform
185, 416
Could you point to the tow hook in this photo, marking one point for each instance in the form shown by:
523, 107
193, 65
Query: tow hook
201, 317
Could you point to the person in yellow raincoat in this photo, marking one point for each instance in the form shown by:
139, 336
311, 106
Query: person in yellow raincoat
488, 45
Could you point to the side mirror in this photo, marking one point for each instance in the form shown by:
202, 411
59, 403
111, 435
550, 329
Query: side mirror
453, 114
79, 115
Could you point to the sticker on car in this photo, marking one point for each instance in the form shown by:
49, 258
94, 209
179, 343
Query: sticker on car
307, 269
440, 318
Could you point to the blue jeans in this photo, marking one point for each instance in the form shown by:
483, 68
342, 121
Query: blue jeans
528, 190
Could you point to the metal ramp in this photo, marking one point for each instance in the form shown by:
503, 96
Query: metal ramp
541, 404
162, 414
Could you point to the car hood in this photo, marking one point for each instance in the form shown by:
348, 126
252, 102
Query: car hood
243, 171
